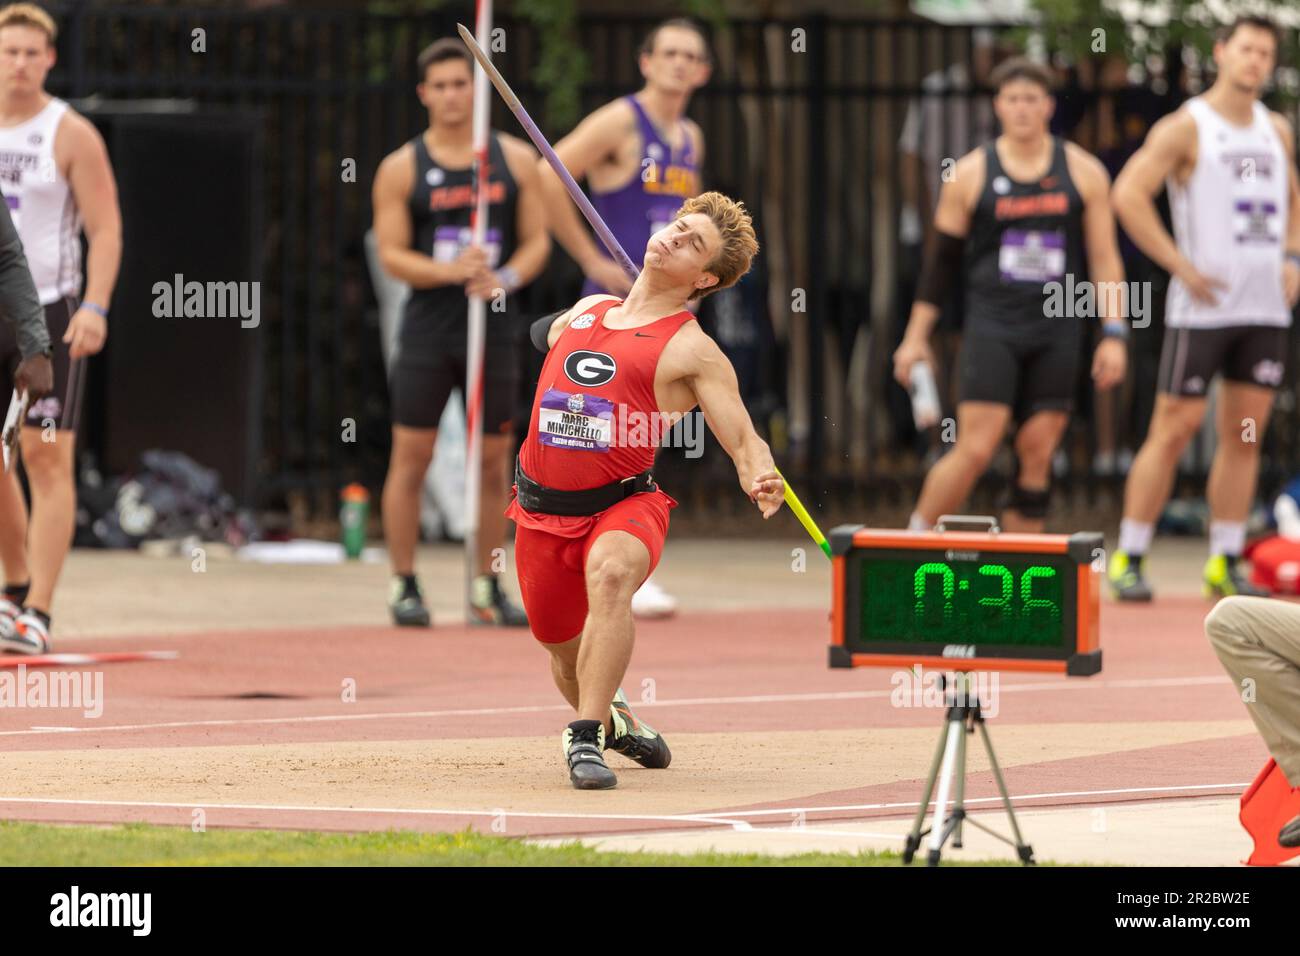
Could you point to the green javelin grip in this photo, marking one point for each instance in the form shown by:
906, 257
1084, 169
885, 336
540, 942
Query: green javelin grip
804, 517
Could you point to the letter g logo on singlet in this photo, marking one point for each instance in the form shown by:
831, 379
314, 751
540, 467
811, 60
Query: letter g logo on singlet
589, 368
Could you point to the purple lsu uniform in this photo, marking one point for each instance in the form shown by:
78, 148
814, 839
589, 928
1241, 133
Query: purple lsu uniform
638, 210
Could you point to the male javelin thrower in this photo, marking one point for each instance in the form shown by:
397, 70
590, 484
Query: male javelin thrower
641, 156
591, 521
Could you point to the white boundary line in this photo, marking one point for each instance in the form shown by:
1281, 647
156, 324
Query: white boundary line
1046, 686
726, 818
1234, 788
413, 811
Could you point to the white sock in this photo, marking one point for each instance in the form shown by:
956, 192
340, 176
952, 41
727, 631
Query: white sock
1135, 536
917, 523
1227, 538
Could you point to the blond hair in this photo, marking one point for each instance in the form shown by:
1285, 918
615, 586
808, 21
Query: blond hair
29, 15
739, 246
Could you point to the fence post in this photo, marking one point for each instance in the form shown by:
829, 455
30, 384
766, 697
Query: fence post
75, 31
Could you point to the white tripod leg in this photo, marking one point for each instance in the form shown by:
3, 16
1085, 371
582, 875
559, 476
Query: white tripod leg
955, 729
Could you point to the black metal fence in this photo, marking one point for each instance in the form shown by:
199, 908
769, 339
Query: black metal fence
803, 121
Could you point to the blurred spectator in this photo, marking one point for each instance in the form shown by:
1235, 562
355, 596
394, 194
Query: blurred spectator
948, 120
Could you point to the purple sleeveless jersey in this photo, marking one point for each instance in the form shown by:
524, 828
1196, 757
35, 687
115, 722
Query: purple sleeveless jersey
645, 205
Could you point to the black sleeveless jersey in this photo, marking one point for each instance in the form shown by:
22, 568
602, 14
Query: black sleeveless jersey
441, 201
1023, 237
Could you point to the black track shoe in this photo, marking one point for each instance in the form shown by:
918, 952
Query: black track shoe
406, 604
491, 607
1290, 834
583, 743
634, 738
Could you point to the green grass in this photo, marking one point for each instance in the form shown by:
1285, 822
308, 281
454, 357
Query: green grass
34, 844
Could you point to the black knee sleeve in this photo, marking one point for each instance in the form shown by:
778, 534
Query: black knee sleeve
1030, 504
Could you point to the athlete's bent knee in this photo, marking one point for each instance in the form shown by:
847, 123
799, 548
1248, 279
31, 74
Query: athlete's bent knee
1227, 623
610, 578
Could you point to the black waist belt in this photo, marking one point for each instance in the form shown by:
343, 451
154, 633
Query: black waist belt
588, 501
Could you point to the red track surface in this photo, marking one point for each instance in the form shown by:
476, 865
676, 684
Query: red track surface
255, 688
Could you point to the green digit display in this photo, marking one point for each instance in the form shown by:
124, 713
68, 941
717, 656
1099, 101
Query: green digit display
1029, 602
1004, 601
1019, 601
919, 581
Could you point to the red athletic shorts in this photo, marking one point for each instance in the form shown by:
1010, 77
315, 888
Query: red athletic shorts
551, 558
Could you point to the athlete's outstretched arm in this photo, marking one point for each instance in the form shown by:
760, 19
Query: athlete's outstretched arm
713, 382
1291, 270
1168, 147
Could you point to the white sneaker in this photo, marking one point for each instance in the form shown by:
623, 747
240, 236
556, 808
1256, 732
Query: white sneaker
651, 601
29, 635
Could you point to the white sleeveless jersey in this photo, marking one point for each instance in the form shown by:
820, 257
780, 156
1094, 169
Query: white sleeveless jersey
1230, 221
41, 203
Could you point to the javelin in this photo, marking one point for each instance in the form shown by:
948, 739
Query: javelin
602, 230
544, 147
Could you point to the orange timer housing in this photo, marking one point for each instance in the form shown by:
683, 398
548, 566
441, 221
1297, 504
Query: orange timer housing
966, 600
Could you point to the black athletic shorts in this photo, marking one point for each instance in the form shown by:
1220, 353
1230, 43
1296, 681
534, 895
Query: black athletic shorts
61, 407
1031, 374
1189, 359
430, 362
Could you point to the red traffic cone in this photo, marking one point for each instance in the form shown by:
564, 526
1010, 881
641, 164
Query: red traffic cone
1266, 806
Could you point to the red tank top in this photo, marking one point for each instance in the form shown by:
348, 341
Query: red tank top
595, 416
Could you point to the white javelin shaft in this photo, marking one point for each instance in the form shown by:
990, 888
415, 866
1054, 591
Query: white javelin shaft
477, 332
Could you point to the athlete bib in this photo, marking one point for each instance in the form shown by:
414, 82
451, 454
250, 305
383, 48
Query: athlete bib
1256, 221
575, 421
1031, 256
450, 241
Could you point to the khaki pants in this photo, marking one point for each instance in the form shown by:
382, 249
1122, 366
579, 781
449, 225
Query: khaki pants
1258, 640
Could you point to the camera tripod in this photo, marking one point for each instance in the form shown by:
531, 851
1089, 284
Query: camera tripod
963, 717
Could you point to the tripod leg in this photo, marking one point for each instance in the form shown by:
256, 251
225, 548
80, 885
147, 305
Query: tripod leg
1025, 851
959, 804
938, 830
914, 838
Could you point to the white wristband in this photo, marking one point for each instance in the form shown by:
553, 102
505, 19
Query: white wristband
508, 279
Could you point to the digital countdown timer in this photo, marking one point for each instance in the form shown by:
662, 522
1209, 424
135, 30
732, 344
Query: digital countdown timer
1000, 599
990, 600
